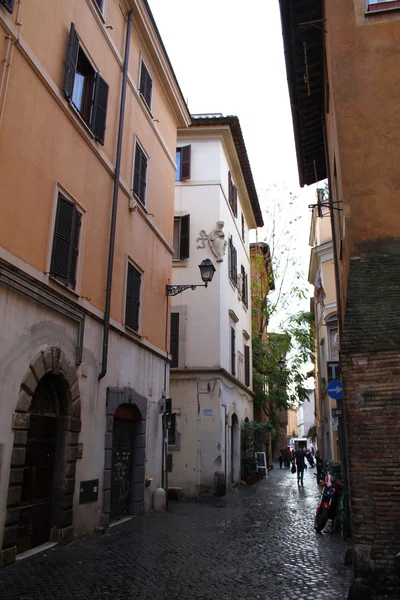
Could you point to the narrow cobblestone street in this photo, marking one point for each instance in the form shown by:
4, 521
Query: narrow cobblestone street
257, 542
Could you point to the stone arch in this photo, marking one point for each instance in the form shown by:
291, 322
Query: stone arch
116, 397
50, 361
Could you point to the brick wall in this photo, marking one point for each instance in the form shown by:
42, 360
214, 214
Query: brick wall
370, 354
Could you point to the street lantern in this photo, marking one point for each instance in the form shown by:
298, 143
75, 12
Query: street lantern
282, 362
207, 271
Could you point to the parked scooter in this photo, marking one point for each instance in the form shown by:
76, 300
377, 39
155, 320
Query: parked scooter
326, 508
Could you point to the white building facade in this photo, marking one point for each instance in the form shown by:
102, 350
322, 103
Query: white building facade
211, 373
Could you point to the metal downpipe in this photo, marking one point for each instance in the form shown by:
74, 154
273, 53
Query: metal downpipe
106, 327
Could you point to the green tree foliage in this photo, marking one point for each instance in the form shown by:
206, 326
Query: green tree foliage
254, 437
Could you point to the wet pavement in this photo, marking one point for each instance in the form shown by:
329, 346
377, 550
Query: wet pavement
257, 542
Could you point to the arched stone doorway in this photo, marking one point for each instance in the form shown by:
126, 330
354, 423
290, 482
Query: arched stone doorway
235, 448
46, 426
125, 454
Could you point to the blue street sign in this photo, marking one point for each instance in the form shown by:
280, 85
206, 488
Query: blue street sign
335, 389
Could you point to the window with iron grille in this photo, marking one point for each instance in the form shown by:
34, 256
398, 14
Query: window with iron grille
172, 429
232, 261
84, 88
146, 84
65, 250
140, 174
132, 303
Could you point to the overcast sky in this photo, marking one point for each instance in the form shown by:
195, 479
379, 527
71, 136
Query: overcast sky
228, 58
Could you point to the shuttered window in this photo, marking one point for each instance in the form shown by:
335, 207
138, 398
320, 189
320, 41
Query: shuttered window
65, 251
140, 174
132, 305
247, 365
233, 351
183, 163
243, 232
146, 84
232, 261
181, 237
175, 339
232, 194
8, 5
85, 89
244, 290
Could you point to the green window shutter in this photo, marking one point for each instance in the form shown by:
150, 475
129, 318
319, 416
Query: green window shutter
99, 112
247, 365
74, 250
175, 339
132, 304
184, 237
63, 240
185, 162
71, 62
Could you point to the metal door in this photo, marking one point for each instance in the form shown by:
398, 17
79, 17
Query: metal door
122, 467
37, 488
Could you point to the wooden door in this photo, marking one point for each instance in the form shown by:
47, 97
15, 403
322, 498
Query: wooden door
122, 467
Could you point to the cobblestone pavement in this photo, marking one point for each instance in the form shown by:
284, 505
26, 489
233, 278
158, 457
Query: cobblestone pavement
257, 542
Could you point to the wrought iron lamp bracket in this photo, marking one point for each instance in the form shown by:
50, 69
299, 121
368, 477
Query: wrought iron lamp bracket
174, 290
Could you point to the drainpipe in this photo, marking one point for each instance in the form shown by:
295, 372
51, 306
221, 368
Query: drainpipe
106, 326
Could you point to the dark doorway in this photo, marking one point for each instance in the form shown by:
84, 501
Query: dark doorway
36, 507
234, 445
125, 420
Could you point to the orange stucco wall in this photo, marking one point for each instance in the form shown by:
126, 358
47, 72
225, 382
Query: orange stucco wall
44, 144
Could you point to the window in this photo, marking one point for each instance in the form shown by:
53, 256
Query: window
132, 304
232, 261
233, 351
65, 251
243, 232
174, 345
146, 84
172, 429
240, 364
140, 174
247, 365
232, 194
382, 4
244, 284
100, 4
8, 5
181, 237
183, 156
84, 88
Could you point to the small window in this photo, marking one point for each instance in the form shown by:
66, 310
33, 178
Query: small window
233, 351
132, 305
183, 156
140, 174
232, 194
172, 429
232, 262
243, 231
181, 237
84, 88
247, 365
8, 5
100, 4
65, 251
244, 284
174, 346
146, 84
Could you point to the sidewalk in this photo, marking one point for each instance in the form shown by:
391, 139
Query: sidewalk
257, 542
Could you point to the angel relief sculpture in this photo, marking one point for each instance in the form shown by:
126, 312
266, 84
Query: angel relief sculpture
216, 241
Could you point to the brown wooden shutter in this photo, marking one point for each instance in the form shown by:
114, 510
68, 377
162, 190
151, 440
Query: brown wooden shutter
140, 173
234, 200
174, 348
247, 365
8, 5
185, 162
235, 277
99, 112
246, 288
146, 84
132, 304
243, 236
184, 237
233, 351
71, 62
229, 188
230, 257
62, 241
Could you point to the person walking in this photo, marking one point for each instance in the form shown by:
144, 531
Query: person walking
280, 459
300, 456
